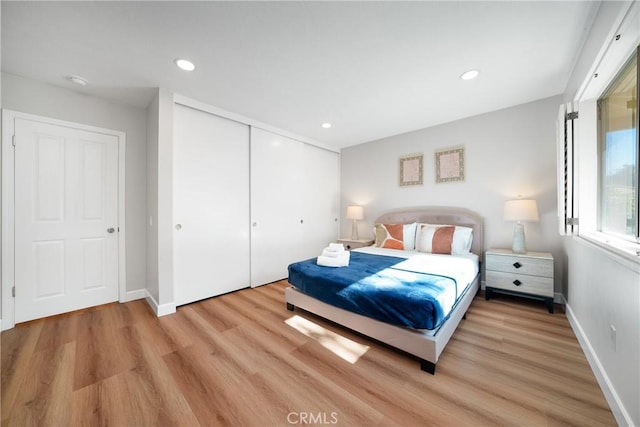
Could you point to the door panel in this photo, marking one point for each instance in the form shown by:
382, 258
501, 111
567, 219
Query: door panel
211, 205
66, 198
321, 203
277, 187
294, 203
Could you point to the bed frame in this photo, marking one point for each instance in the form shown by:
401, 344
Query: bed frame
426, 345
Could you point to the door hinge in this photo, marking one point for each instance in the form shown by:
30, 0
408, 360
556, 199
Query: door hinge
13, 292
13, 140
572, 221
571, 116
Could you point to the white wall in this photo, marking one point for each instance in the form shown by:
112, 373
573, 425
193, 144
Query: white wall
29, 96
153, 118
508, 153
165, 202
159, 221
601, 290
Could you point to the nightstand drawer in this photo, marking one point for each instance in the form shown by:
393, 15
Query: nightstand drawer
520, 265
535, 285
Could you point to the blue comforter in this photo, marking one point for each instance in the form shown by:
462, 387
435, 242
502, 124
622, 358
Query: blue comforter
377, 286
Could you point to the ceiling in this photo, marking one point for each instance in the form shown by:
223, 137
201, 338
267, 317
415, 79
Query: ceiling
372, 69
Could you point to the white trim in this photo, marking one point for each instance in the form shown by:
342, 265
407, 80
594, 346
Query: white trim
8, 220
8, 274
615, 404
159, 310
134, 295
192, 103
613, 53
122, 227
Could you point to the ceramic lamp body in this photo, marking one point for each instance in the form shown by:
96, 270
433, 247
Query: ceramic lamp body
354, 230
519, 246
355, 213
520, 210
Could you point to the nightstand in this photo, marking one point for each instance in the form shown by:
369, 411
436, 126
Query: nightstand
355, 244
529, 274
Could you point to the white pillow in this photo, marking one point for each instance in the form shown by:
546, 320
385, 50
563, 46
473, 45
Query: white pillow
460, 243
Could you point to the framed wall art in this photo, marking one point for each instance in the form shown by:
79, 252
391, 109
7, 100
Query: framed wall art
450, 164
410, 170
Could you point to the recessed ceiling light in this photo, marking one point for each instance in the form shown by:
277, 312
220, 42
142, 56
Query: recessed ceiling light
469, 75
77, 80
185, 65
326, 125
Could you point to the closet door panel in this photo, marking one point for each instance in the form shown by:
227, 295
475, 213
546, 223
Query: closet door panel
211, 205
277, 191
320, 200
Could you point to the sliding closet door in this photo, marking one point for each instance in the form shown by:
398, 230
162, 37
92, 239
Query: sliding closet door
277, 194
320, 200
294, 203
211, 205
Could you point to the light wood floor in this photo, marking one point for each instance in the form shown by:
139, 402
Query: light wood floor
233, 360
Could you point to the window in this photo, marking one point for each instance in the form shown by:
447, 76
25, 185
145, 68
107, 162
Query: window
619, 150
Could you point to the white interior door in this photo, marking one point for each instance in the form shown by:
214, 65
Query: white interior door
66, 212
277, 204
211, 205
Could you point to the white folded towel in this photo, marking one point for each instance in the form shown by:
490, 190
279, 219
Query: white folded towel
342, 260
335, 247
332, 254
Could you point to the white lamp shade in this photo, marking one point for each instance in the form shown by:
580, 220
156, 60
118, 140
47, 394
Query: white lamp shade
521, 210
355, 212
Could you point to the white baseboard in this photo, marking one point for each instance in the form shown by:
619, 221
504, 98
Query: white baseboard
134, 295
159, 310
615, 404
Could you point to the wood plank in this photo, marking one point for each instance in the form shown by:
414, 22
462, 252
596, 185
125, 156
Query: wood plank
239, 360
18, 346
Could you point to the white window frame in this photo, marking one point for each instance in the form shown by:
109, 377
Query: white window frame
583, 167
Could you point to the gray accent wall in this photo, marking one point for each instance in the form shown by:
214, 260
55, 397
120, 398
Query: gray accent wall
508, 153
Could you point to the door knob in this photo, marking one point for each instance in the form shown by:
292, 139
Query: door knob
110, 230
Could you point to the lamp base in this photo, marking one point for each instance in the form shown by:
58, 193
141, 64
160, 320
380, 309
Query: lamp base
518, 246
354, 230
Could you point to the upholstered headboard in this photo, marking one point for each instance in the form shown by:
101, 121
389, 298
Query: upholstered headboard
440, 215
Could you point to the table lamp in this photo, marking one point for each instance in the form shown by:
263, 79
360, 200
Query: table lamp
520, 210
355, 213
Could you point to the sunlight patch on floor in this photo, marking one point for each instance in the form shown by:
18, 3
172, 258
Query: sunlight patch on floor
343, 347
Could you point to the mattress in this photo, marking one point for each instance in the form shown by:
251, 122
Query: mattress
403, 288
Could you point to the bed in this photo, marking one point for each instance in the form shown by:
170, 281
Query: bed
418, 327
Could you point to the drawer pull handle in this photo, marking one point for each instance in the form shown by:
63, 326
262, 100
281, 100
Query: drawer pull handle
517, 282
517, 264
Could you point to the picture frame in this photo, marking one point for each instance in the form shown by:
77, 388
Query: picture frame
450, 164
410, 170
